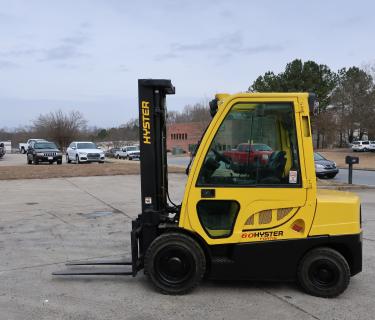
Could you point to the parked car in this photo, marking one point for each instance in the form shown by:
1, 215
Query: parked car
2, 150
22, 147
111, 153
360, 145
128, 152
248, 153
371, 146
84, 151
324, 168
43, 151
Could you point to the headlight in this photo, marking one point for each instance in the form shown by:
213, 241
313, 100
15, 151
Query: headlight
41, 154
319, 166
58, 153
82, 153
334, 163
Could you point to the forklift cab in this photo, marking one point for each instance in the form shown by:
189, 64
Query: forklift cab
233, 195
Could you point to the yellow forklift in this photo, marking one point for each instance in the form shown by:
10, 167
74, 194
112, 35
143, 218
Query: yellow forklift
251, 208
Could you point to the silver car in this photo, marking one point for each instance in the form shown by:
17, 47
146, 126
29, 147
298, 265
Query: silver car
84, 151
324, 168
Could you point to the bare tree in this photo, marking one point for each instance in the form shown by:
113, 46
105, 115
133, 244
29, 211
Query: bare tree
59, 127
354, 103
199, 112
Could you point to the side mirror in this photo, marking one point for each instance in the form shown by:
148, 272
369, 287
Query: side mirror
74, 148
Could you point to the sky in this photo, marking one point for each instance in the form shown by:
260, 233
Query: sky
87, 55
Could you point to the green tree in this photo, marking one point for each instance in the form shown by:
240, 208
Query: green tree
102, 134
301, 76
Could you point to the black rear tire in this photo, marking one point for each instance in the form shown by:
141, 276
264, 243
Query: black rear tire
175, 263
324, 272
29, 161
68, 159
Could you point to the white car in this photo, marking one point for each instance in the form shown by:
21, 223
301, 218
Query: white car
128, 152
371, 147
361, 145
83, 151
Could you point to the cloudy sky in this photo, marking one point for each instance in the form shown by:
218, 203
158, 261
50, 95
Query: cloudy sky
87, 55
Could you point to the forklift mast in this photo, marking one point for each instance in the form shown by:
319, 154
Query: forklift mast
152, 135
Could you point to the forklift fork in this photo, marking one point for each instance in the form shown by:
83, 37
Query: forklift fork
84, 265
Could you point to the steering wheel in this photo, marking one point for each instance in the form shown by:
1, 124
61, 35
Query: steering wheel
221, 157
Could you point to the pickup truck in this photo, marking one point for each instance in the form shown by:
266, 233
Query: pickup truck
249, 153
128, 152
24, 146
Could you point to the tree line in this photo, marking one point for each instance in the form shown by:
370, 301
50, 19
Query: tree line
346, 99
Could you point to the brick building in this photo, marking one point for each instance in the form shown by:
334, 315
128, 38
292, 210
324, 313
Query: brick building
184, 135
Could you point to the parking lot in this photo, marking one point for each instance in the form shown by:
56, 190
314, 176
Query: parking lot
47, 222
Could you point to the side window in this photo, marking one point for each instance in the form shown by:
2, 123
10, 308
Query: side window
256, 144
218, 217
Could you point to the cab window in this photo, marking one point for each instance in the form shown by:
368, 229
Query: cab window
256, 145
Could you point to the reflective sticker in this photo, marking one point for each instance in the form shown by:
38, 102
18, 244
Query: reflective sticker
292, 176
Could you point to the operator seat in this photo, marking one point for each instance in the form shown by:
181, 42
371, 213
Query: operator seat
273, 172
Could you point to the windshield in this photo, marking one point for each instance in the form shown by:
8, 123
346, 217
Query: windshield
45, 145
86, 145
318, 157
135, 148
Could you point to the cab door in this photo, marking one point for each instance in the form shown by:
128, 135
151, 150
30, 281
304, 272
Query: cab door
264, 196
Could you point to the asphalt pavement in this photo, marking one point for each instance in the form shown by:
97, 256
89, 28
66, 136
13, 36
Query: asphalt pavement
364, 177
47, 222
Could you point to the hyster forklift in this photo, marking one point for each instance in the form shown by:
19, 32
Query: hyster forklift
258, 218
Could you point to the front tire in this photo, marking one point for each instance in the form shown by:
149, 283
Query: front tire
77, 160
175, 263
324, 272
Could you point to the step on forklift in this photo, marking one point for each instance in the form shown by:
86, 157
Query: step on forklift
255, 217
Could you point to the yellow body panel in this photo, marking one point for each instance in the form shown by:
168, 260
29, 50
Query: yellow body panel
337, 213
269, 213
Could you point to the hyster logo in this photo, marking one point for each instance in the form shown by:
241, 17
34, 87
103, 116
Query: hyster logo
146, 126
266, 235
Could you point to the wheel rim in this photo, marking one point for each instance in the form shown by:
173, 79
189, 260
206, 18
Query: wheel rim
174, 265
324, 274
